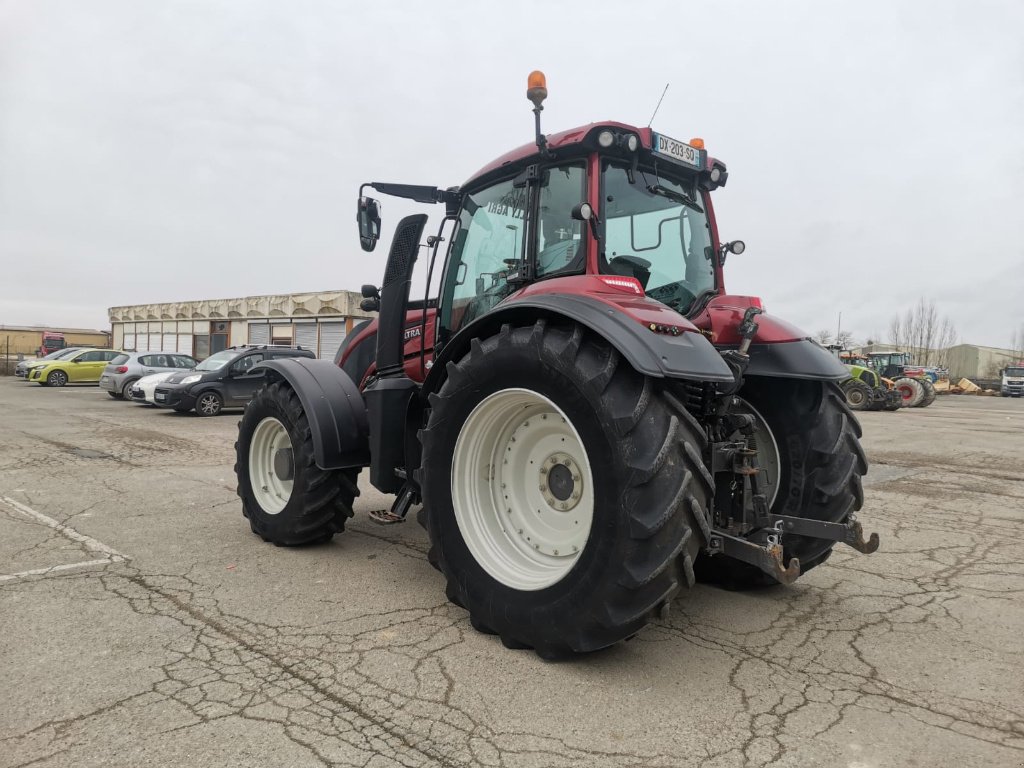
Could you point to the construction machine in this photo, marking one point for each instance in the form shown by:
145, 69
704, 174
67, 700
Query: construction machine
916, 384
586, 418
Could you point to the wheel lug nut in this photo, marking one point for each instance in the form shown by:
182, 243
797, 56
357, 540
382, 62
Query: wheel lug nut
543, 488
543, 470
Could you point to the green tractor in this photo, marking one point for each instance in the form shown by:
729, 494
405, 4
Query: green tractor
914, 383
865, 390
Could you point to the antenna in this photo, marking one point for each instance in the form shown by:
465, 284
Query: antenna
658, 106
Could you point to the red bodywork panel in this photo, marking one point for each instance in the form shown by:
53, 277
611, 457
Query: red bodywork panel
722, 316
415, 367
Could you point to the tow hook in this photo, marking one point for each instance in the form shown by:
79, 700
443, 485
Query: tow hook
851, 532
767, 557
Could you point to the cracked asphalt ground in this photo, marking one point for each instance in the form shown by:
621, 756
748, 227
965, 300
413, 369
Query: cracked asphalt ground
177, 637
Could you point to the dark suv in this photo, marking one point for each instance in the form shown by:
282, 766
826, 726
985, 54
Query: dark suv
223, 380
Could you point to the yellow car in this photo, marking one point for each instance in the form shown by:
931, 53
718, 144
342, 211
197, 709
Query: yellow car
83, 367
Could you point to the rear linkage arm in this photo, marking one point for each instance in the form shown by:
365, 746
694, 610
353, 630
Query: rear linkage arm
749, 508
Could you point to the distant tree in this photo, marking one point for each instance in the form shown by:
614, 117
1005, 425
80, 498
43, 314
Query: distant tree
823, 337
922, 333
1017, 343
845, 339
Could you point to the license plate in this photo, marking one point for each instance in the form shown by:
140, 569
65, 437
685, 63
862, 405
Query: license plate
160, 397
677, 150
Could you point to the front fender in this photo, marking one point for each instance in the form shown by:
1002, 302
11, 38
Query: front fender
686, 356
334, 407
801, 359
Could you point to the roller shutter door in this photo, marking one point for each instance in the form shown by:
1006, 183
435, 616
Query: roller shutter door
142, 342
259, 333
129, 342
331, 336
305, 335
185, 343
155, 340
170, 342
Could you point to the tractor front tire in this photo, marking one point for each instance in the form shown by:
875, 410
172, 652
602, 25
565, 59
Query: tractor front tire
820, 465
858, 394
929, 393
566, 492
910, 390
287, 498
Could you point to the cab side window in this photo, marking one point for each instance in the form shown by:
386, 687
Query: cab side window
90, 357
560, 244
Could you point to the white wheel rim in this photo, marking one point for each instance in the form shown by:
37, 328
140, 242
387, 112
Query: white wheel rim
525, 533
768, 458
271, 491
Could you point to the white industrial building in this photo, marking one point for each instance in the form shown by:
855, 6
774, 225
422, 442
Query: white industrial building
317, 321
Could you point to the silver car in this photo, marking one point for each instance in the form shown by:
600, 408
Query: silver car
22, 368
125, 369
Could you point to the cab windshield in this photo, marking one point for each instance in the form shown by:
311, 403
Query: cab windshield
1015, 372
217, 361
657, 231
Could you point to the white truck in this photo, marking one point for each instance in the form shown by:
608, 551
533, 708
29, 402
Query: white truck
1012, 383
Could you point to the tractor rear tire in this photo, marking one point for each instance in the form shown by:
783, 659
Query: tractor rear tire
820, 462
929, 393
858, 395
619, 432
315, 503
911, 391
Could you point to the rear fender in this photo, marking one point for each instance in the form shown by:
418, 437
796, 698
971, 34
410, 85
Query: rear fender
334, 407
686, 356
779, 349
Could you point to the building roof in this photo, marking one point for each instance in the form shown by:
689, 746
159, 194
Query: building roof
313, 304
49, 328
997, 350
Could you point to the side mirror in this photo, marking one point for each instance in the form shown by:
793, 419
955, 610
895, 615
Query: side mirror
368, 217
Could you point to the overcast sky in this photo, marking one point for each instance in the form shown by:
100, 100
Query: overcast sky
162, 151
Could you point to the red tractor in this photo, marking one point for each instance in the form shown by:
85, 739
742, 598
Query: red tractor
589, 419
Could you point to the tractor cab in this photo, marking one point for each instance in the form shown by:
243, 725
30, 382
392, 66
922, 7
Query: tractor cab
608, 210
889, 364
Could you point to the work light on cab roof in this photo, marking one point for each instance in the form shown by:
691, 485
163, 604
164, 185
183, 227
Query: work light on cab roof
589, 419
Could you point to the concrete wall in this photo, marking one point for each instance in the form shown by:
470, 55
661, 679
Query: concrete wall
973, 362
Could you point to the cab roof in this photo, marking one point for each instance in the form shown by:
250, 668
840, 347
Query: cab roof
556, 141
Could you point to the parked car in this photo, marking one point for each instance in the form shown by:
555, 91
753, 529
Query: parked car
224, 380
21, 369
83, 367
124, 370
144, 389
